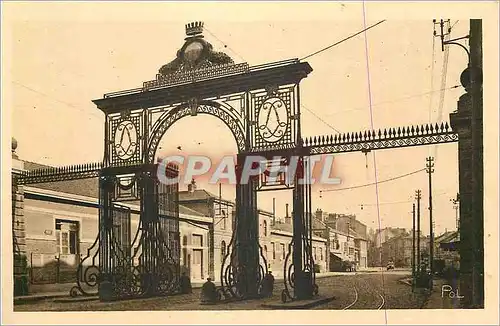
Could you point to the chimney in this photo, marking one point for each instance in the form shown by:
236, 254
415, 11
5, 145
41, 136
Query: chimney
192, 186
319, 215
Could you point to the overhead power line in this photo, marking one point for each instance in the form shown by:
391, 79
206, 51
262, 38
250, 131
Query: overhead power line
401, 202
343, 40
320, 119
225, 44
374, 183
376, 104
398, 99
55, 99
444, 73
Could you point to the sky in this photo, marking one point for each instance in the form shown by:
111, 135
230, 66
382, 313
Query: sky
60, 63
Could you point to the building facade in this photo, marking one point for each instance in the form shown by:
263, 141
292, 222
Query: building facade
399, 250
347, 239
60, 223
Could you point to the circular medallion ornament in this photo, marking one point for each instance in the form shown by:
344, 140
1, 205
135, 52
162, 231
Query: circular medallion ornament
125, 140
193, 51
272, 119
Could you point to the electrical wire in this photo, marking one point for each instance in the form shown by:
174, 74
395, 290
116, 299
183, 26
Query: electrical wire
343, 40
224, 43
398, 99
444, 73
54, 99
403, 202
432, 76
320, 119
374, 183
377, 104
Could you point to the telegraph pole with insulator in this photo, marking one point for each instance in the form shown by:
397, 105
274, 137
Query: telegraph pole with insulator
430, 169
413, 249
418, 197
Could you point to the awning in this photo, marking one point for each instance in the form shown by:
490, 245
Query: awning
452, 243
452, 246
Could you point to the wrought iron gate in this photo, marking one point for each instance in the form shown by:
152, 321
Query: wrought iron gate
241, 96
146, 264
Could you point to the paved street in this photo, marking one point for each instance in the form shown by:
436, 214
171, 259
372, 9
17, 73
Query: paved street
356, 291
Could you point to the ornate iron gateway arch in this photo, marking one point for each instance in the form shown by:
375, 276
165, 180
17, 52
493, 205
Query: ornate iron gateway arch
261, 107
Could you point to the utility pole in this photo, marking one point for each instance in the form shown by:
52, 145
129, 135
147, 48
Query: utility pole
413, 249
430, 170
418, 197
456, 206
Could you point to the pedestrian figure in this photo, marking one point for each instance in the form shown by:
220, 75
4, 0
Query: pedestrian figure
268, 284
185, 284
208, 292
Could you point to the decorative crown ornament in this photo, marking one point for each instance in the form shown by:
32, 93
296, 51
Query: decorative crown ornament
194, 28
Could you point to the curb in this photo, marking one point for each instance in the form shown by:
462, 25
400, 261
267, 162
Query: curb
405, 281
297, 304
28, 299
76, 299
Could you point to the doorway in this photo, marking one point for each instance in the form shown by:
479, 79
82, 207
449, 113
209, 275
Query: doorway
197, 266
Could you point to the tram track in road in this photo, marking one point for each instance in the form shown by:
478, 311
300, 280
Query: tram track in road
367, 296
355, 299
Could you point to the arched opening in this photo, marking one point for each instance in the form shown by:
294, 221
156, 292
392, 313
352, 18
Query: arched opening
224, 113
206, 136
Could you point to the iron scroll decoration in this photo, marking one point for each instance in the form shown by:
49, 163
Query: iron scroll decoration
272, 119
223, 112
125, 140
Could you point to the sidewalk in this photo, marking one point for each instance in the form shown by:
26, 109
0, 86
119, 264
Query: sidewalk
441, 297
62, 290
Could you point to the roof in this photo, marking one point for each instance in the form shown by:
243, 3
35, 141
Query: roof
449, 237
198, 194
445, 236
452, 242
188, 211
30, 166
317, 224
283, 227
82, 187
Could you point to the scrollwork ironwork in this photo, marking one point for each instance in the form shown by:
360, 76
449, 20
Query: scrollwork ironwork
273, 107
87, 276
204, 107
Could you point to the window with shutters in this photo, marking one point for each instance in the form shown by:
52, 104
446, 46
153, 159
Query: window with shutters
197, 240
67, 241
